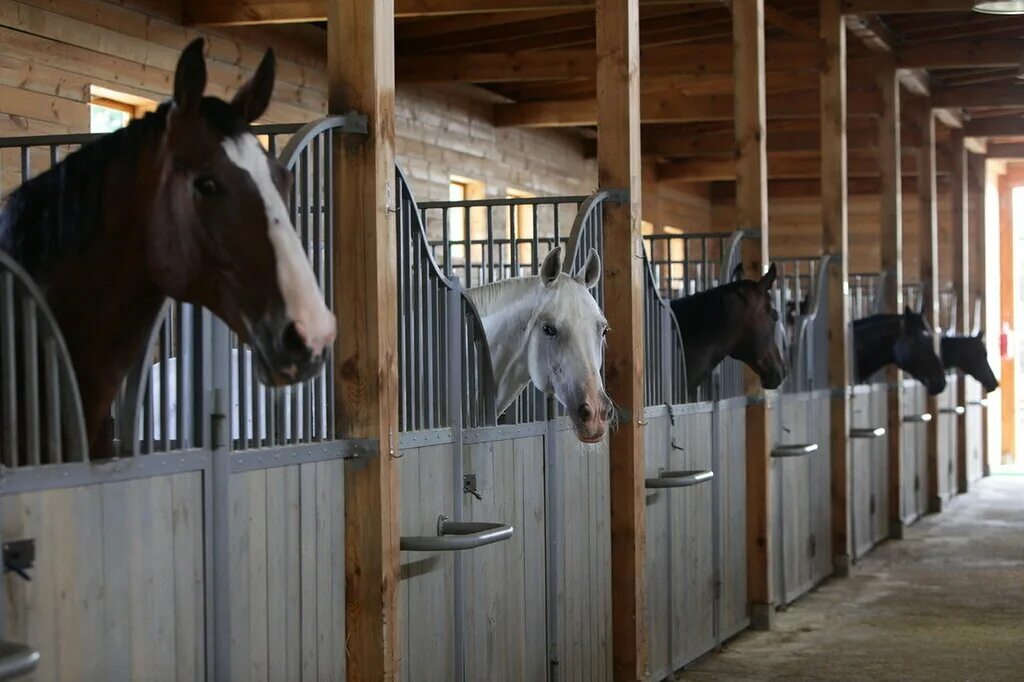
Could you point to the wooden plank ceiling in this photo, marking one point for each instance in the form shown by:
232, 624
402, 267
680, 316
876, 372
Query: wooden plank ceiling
537, 58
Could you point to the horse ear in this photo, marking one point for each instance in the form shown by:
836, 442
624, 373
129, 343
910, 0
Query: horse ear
769, 278
590, 273
907, 310
551, 266
737, 272
980, 335
253, 98
190, 77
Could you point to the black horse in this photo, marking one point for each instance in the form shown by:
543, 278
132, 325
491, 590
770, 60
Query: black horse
734, 320
904, 340
967, 353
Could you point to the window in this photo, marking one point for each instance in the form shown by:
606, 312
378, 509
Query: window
521, 228
457, 221
460, 219
110, 110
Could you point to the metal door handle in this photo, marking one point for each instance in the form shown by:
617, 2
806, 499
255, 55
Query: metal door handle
978, 403
922, 418
870, 434
16, 660
794, 450
679, 479
453, 536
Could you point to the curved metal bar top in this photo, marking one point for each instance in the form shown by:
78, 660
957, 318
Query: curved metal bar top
453, 536
978, 403
16, 660
957, 409
876, 432
922, 418
679, 479
801, 450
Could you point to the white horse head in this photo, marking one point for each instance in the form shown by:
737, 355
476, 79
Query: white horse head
549, 329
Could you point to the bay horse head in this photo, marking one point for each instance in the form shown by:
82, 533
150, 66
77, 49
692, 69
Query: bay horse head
914, 351
755, 325
565, 344
968, 354
221, 235
181, 203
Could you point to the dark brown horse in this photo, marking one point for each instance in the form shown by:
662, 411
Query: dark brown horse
734, 320
968, 354
904, 340
182, 203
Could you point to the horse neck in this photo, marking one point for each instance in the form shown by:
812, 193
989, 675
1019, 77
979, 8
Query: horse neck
953, 349
707, 338
873, 340
507, 310
100, 292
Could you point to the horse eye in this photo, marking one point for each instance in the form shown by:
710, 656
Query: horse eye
604, 332
548, 330
206, 186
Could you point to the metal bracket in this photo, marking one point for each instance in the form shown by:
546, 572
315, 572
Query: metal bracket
469, 486
19, 556
355, 123
619, 195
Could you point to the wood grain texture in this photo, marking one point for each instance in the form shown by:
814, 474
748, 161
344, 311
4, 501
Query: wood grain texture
618, 162
962, 252
835, 240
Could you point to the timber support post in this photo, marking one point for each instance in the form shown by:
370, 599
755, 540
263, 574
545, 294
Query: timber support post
835, 240
618, 163
752, 213
928, 239
961, 324
361, 76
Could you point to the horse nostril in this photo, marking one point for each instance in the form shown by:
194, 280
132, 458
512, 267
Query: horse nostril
292, 341
585, 413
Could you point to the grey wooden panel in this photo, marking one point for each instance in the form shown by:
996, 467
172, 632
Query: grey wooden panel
504, 582
974, 425
908, 466
692, 544
924, 457
659, 586
584, 638
286, 544
820, 430
426, 590
861, 474
117, 587
792, 522
947, 440
880, 455
732, 482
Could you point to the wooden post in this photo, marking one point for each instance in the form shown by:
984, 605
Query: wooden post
835, 240
979, 237
961, 271
929, 244
1007, 294
752, 213
889, 164
618, 163
361, 76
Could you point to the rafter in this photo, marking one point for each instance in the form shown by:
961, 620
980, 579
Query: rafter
979, 96
961, 54
995, 127
904, 6
1006, 150
672, 108
781, 166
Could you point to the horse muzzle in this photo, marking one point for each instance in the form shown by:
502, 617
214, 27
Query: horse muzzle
590, 422
283, 356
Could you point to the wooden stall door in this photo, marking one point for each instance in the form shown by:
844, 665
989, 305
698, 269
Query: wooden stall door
861, 472
731, 478
879, 502
974, 423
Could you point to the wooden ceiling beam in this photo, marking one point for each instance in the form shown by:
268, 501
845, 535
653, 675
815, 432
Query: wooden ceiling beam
781, 166
246, 12
904, 6
979, 96
961, 54
689, 145
995, 127
790, 24
672, 108
1006, 150
496, 67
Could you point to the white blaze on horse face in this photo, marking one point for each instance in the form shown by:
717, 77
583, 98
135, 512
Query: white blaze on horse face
304, 304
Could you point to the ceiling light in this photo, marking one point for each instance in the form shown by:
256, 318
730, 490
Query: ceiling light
999, 6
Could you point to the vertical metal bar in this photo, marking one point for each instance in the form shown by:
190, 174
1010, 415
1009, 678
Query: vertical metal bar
8, 372
331, 274
51, 379
30, 349
218, 423
315, 386
490, 245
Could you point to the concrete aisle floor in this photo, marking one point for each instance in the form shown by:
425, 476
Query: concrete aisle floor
945, 603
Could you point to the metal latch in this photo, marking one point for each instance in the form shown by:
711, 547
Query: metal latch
872, 505
19, 556
813, 545
469, 486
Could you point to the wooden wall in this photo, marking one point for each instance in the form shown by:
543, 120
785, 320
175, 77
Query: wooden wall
52, 51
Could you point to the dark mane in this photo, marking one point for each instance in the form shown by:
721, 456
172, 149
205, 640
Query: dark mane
703, 309
59, 212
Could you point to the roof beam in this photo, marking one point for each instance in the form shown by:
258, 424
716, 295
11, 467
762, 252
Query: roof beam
995, 127
975, 96
245, 12
1006, 150
790, 24
672, 108
781, 166
961, 54
569, 64
711, 144
904, 6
